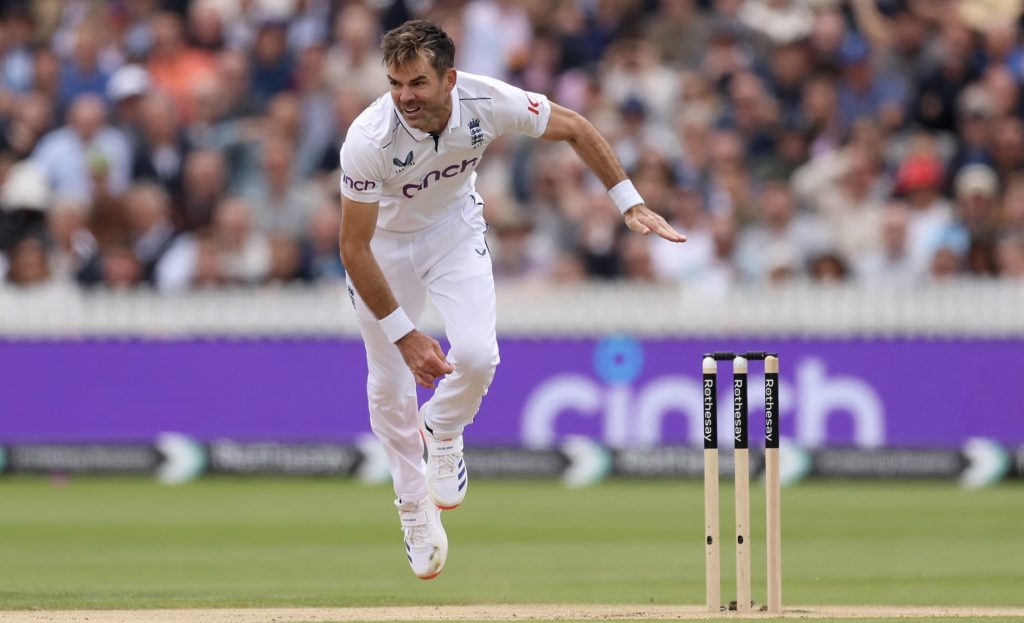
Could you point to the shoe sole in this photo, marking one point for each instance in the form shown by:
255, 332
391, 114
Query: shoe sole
445, 507
444, 558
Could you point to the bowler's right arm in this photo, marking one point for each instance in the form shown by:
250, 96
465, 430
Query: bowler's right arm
421, 352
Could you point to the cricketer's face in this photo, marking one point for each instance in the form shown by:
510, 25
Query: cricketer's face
421, 96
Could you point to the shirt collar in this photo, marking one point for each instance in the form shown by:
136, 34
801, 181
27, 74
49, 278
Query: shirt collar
454, 121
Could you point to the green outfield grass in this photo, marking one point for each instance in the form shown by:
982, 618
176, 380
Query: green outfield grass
130, 543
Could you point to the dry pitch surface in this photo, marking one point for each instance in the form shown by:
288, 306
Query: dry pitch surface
517, 612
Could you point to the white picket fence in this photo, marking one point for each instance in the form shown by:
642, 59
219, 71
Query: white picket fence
962, 309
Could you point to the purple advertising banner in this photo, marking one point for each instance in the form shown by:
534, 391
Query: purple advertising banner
618, 390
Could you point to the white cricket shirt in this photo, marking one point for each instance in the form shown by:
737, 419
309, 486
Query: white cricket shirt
421, 180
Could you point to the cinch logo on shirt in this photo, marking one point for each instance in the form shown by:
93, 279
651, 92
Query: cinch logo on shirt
450, 171
359, 185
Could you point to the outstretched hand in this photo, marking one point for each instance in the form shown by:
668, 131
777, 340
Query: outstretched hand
644, 220
424, 357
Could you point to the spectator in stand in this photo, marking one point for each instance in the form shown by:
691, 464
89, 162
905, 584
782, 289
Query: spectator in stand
16, 61
24, 199
828, 32
308, 24
229, 253
1011, 213
634, 135
866, 90
679, 31
934, 104
977, 196
85, 157
321, 250
730, 184
727, 53
598, 237
286, 261
126, 90
511, 252
779, 21
27, 263
497, 38
821, 114
46, 78
147, 212
1010, 256
1002, 87
285, 118
754, 114
722, 272
204, 184
631, 72
244, 250
781, 242
235, 96
137, 36
789, 68
977, 216
316, 105
1007, 147
145, 234
919, 179
162, 148
119, 269
272, 63
948, 260
891, 264
828, 267
175, 66
208, 271
684, 209
30, 118
346, 105
843, 189
81, 73
975, 112
898, 34
637, 265
70, 242
1001, 45
354, 61
281, 201
205, 26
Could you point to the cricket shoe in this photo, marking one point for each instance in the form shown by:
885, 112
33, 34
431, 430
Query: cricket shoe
447, 476
426, 544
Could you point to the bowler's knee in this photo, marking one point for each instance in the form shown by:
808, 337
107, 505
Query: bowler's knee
477, 362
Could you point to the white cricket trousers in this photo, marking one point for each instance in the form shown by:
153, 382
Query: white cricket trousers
451, 262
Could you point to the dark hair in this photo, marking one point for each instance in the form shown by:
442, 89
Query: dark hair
405, 43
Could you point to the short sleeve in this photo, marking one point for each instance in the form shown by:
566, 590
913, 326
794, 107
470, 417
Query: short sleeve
362, 178
516, 110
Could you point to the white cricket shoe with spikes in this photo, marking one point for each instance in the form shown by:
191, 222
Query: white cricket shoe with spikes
447, 476
426, 544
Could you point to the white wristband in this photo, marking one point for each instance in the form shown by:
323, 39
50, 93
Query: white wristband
625, 196
396, 326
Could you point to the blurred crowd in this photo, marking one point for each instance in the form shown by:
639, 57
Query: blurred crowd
192, 144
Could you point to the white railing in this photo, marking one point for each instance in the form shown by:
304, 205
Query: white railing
967, 309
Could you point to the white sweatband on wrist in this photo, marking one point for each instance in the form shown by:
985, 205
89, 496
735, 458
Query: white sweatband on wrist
396, 325
625, 196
